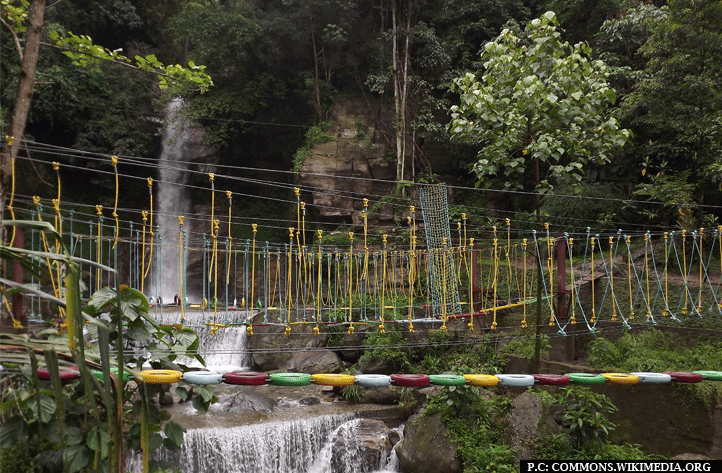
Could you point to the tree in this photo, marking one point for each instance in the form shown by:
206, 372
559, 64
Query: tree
675, 110
539, 102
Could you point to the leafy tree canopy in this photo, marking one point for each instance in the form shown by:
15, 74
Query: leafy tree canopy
539, 100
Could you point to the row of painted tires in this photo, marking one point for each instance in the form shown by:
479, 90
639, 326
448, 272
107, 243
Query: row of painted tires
250, 378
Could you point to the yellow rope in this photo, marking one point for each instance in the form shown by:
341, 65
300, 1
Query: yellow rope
56, 205
666, 279
699, 295
56, 289
382, 329
594, 306
611, 277
288, 281
523, 249
550, 265
254, 226
150, 255
10, 140
229, 194
573, 319
98, 255
318, 281
471, 283
684, 274
629, 278
444, 283
114, 163
496, 277
646, 271
181, 218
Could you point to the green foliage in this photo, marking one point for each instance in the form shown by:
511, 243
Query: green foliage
479, 355
454, 401
389, 347
522, 343
315, 136
567, 210
675, 192
539, 100
408, 402
352, 394
585, 415
653, 350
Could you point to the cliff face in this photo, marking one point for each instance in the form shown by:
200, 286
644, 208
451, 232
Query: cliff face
358, 163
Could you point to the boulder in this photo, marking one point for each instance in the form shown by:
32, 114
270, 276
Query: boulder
360, 445
375, 366
272, 349
528, 420
382, 395
426, 446
248, 401
323, 361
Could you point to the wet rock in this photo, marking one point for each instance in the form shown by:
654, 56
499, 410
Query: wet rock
427, 447
384, 395
272, 348
311, 362
375, 366
309, 401
248, 401
363, 446
528, 420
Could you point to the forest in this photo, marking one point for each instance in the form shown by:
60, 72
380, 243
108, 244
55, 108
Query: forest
274, 68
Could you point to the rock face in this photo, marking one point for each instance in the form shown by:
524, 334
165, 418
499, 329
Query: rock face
363, 446
426, 447
527, 420
247, 401
272, 349
358, 152
312, 362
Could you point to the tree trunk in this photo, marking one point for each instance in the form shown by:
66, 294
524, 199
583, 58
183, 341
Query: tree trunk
26, 82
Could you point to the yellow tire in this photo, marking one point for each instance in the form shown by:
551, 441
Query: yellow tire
330, 379
621, 378
485, 380
159, 376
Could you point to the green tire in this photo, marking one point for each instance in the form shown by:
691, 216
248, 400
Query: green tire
710, 375
447, 379
586, 378
290, 379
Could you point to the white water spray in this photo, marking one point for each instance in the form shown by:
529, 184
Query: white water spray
173, 200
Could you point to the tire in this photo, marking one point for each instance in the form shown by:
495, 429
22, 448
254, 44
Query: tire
202, 377
332, 379
99, 374
290, 379
411, 380
621, 378
515, 380
372, 380
447, 379
652, 378
685, 376
485, 380
246, 378
159, 376
551, 379
586, 378
65, 374
710, 375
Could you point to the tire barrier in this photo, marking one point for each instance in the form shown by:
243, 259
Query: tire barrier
372, 380
621, 378
202, 377
646, 377
333, 379
685, 376
710, 375
411, 380
447, 379
588, 379
159, 376
246, 378
551, 379
290, 379
484, 380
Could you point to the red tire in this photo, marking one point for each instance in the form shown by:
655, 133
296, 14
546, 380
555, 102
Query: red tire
246, 378
685, 376
65, 374
551, 379
413, 380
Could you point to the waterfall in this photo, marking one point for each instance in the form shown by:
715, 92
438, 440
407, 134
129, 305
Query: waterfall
295, 446
223, 351
173, 199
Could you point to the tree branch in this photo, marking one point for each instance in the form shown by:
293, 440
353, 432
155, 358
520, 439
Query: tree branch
16, 40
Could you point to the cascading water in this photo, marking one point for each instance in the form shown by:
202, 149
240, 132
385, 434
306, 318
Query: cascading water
223, 351
296, 446
172, 199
